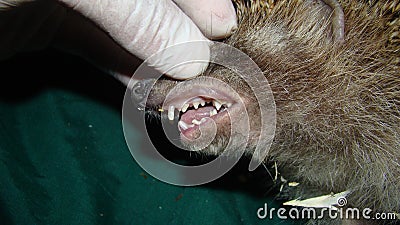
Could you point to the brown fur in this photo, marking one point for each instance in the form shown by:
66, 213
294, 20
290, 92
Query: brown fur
338, 104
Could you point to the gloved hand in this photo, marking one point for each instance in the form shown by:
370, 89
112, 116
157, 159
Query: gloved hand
110, 33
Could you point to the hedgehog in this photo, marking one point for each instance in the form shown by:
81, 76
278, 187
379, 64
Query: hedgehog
333, 69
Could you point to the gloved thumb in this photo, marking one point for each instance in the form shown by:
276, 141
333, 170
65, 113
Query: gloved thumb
145, 27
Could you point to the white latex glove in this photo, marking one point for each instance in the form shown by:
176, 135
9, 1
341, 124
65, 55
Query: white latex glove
110, 33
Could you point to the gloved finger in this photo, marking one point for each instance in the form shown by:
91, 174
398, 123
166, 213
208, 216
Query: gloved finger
216, 19
144, 27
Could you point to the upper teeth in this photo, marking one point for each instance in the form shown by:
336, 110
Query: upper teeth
217, 106
185, 107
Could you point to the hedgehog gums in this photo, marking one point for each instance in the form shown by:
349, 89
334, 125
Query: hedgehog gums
337, 99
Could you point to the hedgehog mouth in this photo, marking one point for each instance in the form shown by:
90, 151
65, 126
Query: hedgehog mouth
197, 106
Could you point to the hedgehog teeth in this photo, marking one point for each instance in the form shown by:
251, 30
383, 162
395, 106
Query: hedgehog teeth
171, 112
184, 125
219, 106
216, 104
185, 107
196, 105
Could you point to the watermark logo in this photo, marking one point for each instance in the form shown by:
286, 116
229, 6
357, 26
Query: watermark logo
342, 201
140, 144
336, 211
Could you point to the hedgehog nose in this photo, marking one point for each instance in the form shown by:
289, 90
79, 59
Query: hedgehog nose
140, 92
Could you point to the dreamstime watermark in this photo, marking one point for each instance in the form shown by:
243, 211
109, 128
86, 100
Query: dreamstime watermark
333, 212
137, 93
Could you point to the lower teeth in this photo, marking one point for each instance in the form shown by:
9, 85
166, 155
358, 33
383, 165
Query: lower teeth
186, 126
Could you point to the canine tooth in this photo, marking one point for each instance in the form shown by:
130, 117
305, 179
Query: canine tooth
196, 122
185, 107
217, 104
202, 103
183, 125
228, 104
196, 105
171, 112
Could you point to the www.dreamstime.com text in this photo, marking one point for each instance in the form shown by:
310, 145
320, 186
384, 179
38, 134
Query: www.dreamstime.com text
320, 213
